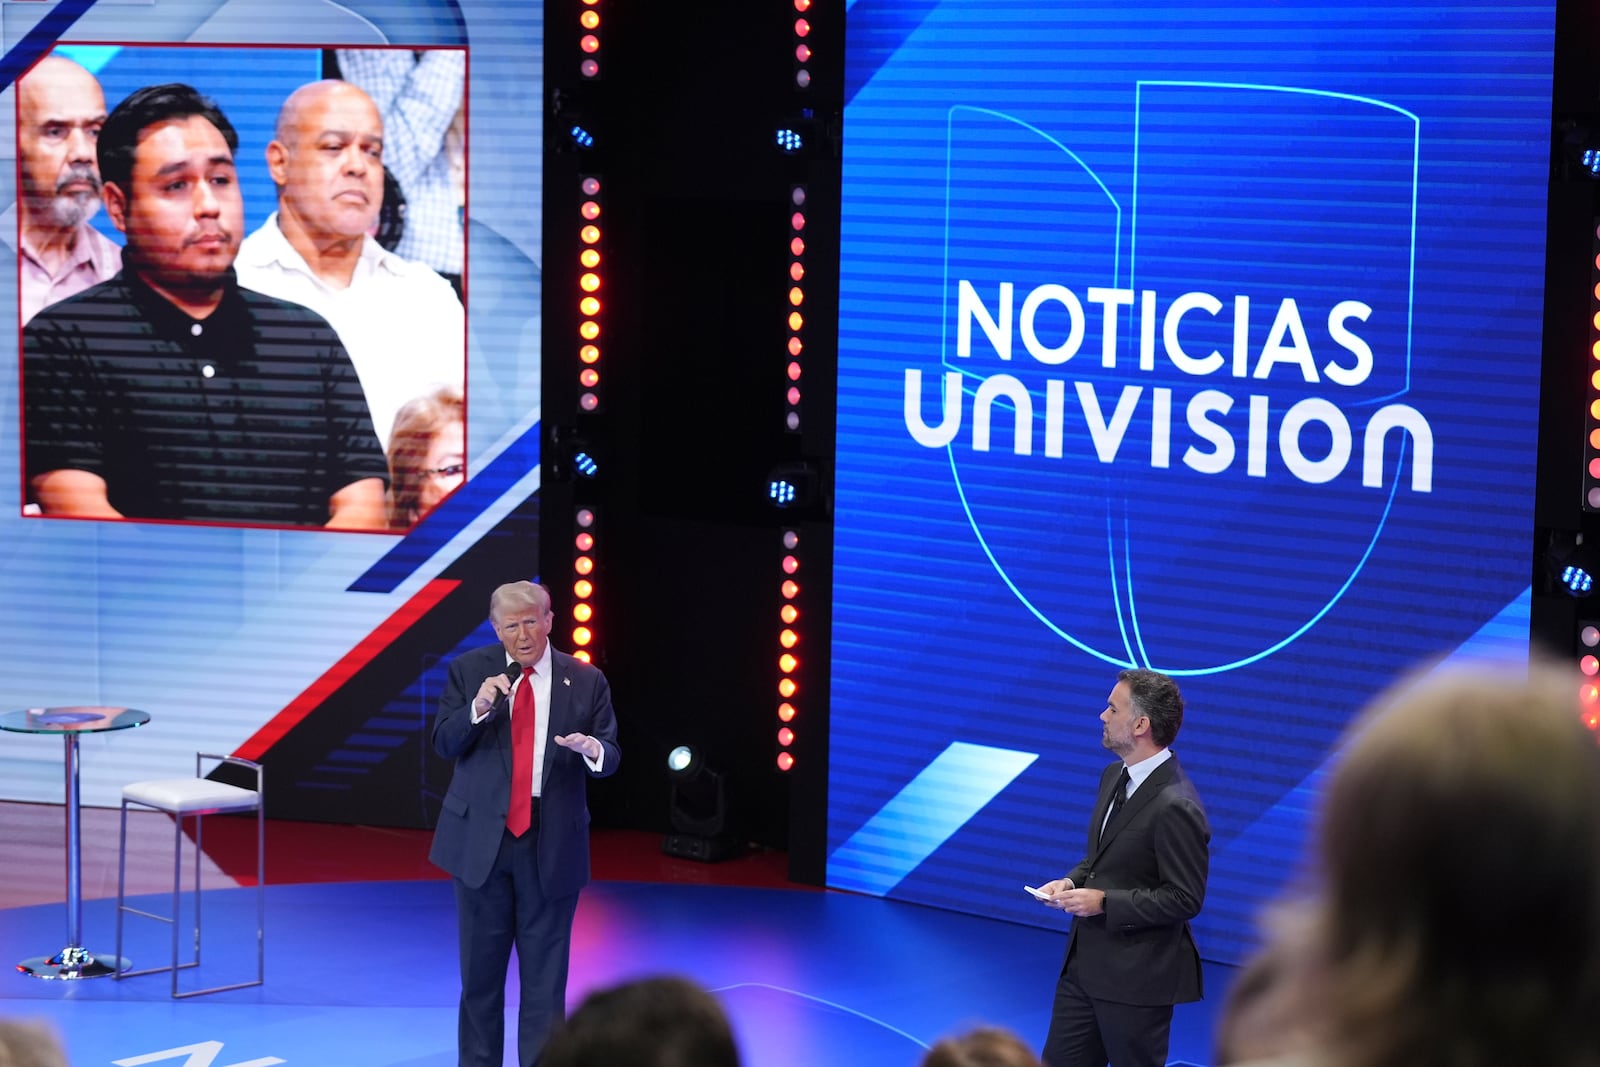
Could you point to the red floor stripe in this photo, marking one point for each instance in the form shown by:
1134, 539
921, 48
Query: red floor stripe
342, 671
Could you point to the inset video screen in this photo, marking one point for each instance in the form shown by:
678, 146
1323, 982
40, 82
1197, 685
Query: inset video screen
1184, 337
242, 302
271, 390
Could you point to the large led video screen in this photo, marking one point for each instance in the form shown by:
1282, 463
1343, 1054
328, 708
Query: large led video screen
1198, 338
273, 386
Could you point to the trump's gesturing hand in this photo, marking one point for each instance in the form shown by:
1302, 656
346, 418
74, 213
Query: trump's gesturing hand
582, 744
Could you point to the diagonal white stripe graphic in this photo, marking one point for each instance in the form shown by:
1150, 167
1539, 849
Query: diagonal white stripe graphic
922, 816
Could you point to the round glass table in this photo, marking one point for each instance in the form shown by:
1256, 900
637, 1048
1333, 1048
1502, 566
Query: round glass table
74, 961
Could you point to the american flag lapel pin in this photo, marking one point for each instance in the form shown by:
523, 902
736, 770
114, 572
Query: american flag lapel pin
566, 681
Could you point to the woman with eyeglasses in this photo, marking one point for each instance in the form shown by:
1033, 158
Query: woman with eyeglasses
427, 455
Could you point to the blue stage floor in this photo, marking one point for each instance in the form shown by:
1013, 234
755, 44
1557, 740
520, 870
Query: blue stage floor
364, 975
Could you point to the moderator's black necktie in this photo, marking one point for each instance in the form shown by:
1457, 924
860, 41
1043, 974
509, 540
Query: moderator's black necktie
1119, 794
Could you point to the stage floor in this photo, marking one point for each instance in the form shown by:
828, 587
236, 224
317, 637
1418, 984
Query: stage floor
364, 973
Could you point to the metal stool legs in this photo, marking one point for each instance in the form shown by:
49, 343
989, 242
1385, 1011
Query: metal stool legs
197, 797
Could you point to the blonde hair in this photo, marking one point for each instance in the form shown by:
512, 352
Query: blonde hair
416, 424
518, 595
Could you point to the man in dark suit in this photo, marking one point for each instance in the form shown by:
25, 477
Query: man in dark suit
516, 843
1130, 954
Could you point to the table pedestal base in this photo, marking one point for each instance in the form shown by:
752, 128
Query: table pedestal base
73, 962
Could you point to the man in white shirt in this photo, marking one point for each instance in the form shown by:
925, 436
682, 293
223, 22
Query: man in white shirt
60, 109
400, 321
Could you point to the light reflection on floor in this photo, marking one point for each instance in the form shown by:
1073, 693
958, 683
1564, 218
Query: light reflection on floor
364, 974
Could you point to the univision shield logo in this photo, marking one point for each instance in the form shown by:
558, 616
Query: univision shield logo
1158, 399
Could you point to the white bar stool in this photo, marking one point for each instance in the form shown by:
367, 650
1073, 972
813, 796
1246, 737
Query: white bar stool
197, 796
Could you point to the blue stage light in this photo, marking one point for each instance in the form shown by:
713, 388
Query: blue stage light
581, 137
793, 484
1572, 563
1580, 143
1578, 581
790, 140
584, 465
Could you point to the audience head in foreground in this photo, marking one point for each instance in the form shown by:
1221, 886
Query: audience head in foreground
29, 1044
985, 1046
1454, 916
651, 1022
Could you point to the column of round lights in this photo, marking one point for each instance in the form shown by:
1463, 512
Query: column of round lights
789, 611
1589, 630
797, 297
788, 639
1589, 664
589, 260
583, 553
589, 42
1591, 420
802, 49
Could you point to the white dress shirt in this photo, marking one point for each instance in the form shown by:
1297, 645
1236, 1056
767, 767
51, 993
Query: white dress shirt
1137, 773
540, 679
399, 320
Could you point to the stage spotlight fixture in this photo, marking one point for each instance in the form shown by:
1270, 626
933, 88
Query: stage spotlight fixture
698, 809
792, 485
1580, 147
1572, 564
575, 456
1577, 580
796, 132
580, 137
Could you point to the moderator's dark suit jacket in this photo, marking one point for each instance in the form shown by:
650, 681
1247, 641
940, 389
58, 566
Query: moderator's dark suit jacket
1152, 864
473, 816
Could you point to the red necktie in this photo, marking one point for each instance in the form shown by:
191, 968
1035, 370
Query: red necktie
520, 815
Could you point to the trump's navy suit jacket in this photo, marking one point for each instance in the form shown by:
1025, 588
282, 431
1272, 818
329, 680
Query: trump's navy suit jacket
473, 817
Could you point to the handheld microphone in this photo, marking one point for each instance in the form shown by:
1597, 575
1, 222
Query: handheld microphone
511, 673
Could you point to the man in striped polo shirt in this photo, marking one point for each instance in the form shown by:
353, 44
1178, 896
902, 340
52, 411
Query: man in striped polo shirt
170, 393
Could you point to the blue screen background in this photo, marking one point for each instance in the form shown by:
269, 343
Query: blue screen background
1358, 194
